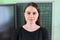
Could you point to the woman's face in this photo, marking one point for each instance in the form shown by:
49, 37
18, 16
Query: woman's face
31, 14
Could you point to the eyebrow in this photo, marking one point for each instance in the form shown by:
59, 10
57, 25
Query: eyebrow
29, 11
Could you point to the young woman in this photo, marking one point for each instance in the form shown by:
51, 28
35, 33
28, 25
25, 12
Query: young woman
31, 30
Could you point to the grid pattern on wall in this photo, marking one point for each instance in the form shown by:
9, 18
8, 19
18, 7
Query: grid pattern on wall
45, 15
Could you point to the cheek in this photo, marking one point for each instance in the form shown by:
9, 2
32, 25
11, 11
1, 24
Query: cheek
26, 17
36, 17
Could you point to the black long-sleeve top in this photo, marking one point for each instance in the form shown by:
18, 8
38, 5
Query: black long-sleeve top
22, 34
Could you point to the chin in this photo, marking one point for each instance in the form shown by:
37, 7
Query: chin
31, 22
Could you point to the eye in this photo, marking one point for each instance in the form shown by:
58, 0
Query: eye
34, 13
28, 13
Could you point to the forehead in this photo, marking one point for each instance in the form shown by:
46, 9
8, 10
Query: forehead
31, 8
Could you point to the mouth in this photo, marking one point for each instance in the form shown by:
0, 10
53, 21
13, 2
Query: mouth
31, 19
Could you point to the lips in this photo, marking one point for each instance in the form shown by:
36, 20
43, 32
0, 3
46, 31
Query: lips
31, 19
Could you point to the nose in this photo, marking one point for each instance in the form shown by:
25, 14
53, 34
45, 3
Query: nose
31, 15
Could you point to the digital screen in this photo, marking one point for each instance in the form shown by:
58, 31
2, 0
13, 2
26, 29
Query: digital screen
6, 21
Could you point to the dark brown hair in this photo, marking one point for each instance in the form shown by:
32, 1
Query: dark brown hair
36, 6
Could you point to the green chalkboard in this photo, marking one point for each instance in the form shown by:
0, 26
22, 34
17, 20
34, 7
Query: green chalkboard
45, 15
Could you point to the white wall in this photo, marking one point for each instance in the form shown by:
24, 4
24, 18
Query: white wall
22, 1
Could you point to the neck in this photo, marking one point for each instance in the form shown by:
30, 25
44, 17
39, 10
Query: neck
30, 24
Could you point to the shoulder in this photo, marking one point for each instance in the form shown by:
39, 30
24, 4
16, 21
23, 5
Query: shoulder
16, 31
45, 33
44, 30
